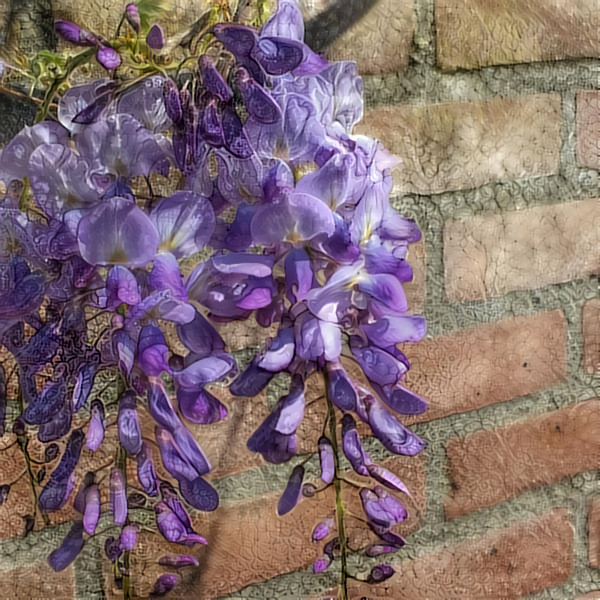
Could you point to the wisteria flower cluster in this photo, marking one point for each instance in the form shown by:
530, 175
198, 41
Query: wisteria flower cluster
284, 215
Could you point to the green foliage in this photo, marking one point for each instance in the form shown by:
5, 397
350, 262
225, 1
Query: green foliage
151, 11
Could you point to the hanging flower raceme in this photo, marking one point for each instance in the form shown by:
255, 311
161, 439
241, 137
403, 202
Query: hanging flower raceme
152, 211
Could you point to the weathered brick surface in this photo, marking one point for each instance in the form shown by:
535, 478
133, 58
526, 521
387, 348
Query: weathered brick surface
38, 581
590, 596
591, 335
379, 41
477, 33
588, 129
521, 250
248, 542
508, 563
490, 363
493, 465
464, 145
594, 533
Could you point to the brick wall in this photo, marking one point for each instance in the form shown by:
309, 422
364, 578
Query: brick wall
494, 107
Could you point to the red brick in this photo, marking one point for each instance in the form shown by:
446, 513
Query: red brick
464, 145
380, 41
477, 33
490, 466
248, 542
591, 336
512, 562
588, 129
594, 533
490, 363
590, 596
491, 255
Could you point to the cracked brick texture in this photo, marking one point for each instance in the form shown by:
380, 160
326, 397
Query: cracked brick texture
494, 108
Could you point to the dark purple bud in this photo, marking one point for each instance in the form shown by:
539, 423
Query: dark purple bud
236, 140
380, 573
112, 549
57, 426
327, 460
132, 14
258, 101
292, 493
47, 404
199, 494
164, 584
118, 496
128, 422
95, 432
56, 492
146, 471
173, 102
211, 125
252, 381
382, 509
71, 32
237, 39
322, 530
155, 38
84, 382
212, 80
92, 111
4, 491
67, 552
178, 560
352, 446
51, 452
278, 56
108, 57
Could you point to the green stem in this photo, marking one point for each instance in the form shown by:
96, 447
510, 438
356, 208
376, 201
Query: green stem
340, 509
127, 585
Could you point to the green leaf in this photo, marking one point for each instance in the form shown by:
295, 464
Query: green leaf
151, 10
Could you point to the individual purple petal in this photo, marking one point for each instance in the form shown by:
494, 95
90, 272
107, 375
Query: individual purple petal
178, 560
84, 382
321, 564
239, 236
173, 459
280, 352
91, 513
286, 22
278, 56
164, 584
353, 450
128, 423
200, 337
174, 524
386, 289
128, 540
146, 471
339, 387
382, 509
47, 404
292, 493
71, 546
125, 349
121, 287
117, 232
402, 400
204, 370
317, 339
95, 432
132, 14
91, 113
56, 492
391, 433
71, 32
212, 79
327, 460
380, 573
108, 57
258, 101
199, 494
161, 409
118, 496
173, 102
251, 381
200, 406
299, 275
387, 478
166, 275
237, 39
379, 549
112, 549
381, 367
392, 330
322, 529
185, 222
234, 135
145, 103
155, 38
153, 351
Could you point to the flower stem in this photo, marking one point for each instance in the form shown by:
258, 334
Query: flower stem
127, 585
340, 509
